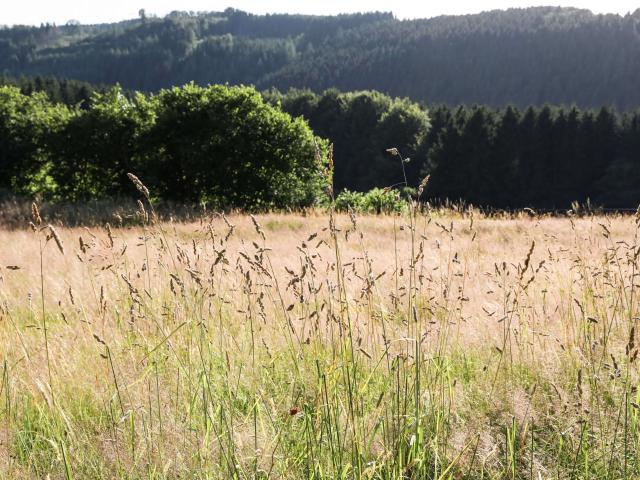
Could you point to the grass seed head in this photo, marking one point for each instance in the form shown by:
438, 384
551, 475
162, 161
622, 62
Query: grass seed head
423, 185
110, 235
35, 214
139, 185
142, 212
257, 227
56, 238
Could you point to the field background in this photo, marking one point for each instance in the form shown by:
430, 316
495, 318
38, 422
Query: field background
286, 346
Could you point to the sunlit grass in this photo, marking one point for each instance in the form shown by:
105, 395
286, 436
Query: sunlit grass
413, 346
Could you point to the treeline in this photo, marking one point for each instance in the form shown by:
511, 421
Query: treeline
545, 157
66, 91
362, 126
234, 147
519, 56
220, 146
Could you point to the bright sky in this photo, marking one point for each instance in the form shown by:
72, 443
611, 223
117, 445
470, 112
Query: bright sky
96, 11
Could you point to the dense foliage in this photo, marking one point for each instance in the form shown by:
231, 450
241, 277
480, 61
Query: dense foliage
69, 92
375, 201
219, 145
545, 157
362, 126
229, 146
27, 123
232, 147
540, 157
519, 56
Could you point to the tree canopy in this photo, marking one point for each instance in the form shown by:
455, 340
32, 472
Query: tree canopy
543, 157
232, 147
221, 145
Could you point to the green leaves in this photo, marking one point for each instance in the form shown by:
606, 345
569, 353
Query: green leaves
376, 201
223, 146
26, 126
227, 147
362, 126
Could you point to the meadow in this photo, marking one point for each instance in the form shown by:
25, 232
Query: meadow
425, 345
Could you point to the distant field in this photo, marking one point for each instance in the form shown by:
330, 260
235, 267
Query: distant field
430, 347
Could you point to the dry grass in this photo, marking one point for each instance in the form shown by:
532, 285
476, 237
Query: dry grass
288, 348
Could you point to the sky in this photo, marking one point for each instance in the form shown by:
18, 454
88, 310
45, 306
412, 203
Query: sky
34, 12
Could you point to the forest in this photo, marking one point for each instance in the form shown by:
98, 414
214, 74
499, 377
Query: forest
542, 157
220, 146
66, 91
520, 57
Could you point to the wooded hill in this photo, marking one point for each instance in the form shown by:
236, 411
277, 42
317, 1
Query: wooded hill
520, 56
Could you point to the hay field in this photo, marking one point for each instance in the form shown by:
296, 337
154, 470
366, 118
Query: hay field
441, 346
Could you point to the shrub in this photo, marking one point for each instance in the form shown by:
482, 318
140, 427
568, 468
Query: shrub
225, 146
26, 124
220, 146
348, 200
375, 201
95, 149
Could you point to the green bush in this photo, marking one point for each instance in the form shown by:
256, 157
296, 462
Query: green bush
221, 146
350, 201
26, 125
376, 201
227, 147
95, 149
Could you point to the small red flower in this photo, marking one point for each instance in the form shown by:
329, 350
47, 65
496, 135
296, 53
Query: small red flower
294, 411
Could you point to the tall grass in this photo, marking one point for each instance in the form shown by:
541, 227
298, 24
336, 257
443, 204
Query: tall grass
422, 346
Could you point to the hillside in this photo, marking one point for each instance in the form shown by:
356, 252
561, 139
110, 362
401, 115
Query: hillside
519, 56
